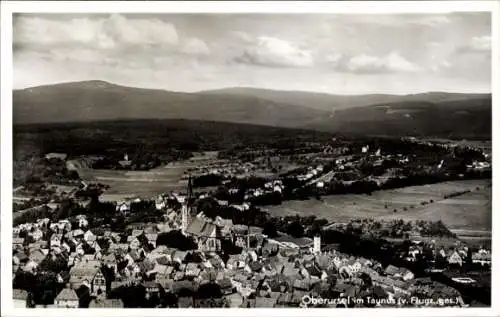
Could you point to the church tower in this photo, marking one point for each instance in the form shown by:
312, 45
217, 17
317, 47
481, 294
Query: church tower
186, 207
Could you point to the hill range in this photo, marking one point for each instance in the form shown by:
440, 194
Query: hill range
436, 114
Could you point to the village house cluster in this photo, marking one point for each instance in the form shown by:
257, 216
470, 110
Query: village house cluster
272, 273
267, 272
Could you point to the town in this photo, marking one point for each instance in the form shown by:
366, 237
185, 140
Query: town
211, 242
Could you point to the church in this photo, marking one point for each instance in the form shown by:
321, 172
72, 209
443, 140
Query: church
206, 234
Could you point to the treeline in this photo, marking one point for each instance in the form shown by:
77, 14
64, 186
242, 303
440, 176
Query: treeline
36, 170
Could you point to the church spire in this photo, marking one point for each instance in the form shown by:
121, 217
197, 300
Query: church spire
186, 210
190, 188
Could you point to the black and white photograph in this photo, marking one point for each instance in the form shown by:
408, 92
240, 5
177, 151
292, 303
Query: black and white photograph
262, 159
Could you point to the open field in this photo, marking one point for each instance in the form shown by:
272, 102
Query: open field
140, 183
471, 211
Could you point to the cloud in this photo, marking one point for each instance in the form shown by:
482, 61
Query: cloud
334, 59
104, 33
481, 43
432, 21
196, 47
243, 36
441, 66
274, 52
79, 55
368, 64
478, 44
399, 20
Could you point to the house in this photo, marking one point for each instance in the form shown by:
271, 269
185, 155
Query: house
119, 246
132, 270
36, 234
455, 258
57, 156
178, 256
67, 298
106, 303
31, 267
192, 269
20, 258
178, 276
115, 237
134, 242
77, 234
401, 273
163, 271
55, 240
132, 257
152, 288
137, 232
226, 286
185, 302
483, 258
109, 260
66, 247
99, 283
264, 302
89, 236
20, 298
84, 273
206, 235
83, 222
16, 231
235, 300
146, 266
302, 285
17, 242
152, 238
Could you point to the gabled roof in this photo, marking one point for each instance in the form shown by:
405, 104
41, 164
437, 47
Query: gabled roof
150, 284
152, 236
67, 294
225, 283
21, 256
201, 228
262, 302
109, 258
17, 240
256, 266
392, 270
163, 260
85, 270
19, 294
106, 303
137, 232
146, 266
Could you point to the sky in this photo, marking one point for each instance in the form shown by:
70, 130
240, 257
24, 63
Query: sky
329, 53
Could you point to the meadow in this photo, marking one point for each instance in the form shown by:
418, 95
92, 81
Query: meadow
145, 184
470, 212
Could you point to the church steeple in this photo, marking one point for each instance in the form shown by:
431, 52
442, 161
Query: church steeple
186, 207
190, 189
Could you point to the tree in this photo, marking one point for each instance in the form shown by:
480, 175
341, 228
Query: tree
209, 290
367, 280
53, 264
295, 229
270, 230
175, 239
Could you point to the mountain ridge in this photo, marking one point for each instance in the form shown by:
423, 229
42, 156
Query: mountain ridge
420, 114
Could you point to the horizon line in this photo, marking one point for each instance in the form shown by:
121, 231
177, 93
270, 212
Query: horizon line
251, 87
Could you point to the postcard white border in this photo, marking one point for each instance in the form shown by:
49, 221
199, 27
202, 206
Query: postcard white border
371, 7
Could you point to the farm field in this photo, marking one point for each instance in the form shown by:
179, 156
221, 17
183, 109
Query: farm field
140, 183
471, 211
